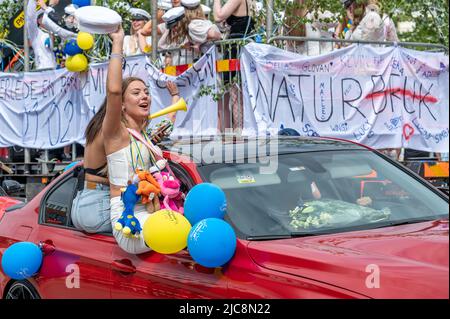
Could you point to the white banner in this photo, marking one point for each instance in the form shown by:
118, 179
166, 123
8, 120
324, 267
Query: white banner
51, 109
384, 97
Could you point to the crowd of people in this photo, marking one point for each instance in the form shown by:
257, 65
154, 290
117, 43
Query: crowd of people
187, 28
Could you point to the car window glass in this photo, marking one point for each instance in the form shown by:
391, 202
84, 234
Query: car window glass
58, 203
322, 191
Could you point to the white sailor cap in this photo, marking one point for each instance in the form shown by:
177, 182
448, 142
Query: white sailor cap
206, 9
70, 9
139, 14
97, 19
172, 16
164, 4
190, 4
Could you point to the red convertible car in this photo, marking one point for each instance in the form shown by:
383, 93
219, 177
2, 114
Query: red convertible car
315, 218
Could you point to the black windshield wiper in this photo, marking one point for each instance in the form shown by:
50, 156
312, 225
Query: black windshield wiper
268, 237
291, 235
406, 222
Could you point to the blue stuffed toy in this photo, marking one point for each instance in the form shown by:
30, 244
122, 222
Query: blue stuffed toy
128, 223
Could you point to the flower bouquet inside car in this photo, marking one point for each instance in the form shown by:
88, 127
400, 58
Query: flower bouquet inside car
331, 213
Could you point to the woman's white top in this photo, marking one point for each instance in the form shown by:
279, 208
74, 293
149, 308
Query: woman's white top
127, 47
198, 30
180, 56
373, 27
120, 167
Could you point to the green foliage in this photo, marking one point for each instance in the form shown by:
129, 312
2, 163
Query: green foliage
7, 10
431, 17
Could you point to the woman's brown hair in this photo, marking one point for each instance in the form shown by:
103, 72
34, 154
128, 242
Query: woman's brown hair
180, 35
95, 125
194, 14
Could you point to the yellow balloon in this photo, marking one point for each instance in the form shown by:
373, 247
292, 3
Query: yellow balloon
166, 231
77, 63
85, 40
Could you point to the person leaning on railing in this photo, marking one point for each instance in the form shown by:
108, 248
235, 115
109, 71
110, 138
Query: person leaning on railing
162, 7
175, 38
200, 29
364, 22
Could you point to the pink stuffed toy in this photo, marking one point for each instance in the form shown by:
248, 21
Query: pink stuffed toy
170, 190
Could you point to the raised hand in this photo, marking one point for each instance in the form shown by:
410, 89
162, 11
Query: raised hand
117, 35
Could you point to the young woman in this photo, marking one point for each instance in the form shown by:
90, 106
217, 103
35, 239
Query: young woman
200, 29
90, 209
163, 7
238, 15
124, 127
365, 22
136, 43
175, 38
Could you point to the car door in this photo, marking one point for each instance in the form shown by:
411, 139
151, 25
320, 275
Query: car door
76, 264
153, 275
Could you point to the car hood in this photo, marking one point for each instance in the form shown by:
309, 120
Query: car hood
6, 202
408, 261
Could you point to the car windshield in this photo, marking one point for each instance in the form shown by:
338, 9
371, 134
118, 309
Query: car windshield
322, 192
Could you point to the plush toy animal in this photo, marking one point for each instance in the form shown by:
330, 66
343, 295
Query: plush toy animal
170, 190
128, 223
148, 187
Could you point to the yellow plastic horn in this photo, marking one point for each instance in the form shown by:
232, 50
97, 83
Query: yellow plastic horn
179, 106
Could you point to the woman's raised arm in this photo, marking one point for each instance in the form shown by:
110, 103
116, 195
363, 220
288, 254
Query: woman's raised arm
113, 115
222, 13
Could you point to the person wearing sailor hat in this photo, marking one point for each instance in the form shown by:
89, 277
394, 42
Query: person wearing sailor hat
139, 15
66, 30
41, 41
176, 37
200, 29
136, 42
173, 16
163, 6
195, 4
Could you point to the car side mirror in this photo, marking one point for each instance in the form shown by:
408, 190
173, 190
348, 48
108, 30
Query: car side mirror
11, 187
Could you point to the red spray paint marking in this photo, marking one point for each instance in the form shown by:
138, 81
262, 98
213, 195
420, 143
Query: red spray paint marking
408, 93
408, 131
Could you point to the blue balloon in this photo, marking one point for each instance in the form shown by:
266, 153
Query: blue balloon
81, 3
71, 48
22, 260
212, 242
205, 201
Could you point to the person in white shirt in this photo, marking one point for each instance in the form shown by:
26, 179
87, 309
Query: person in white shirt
41, 41
365, 22
163, 7
65, 31
200, 29
175, 38
136, 42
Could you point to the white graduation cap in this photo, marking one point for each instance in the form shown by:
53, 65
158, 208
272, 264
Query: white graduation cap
97, 19
191, 4
164, 4
140, 14
70, 9
173, 15
206, 9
